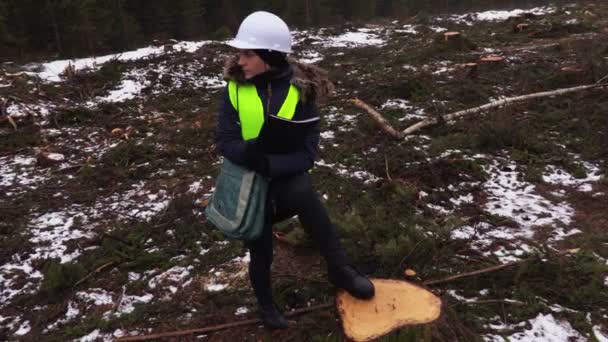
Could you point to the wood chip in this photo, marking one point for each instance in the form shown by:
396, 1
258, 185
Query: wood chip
410, 273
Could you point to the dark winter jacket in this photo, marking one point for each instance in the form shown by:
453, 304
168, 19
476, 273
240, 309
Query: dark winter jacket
313, 85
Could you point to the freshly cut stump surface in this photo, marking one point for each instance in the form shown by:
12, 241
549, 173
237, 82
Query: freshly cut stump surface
395, 305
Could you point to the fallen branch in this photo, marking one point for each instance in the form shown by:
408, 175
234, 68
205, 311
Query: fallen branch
220, 327
386, 126
380, 120
473, 273
492, 301
491, 269
96, 271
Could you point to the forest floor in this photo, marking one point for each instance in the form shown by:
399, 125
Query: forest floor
104, 178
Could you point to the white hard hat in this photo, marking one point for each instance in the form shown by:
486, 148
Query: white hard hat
263, 30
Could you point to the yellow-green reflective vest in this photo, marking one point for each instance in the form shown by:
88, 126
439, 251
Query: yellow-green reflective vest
246, 101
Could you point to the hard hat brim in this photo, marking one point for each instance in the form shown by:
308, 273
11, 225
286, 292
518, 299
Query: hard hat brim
248, 46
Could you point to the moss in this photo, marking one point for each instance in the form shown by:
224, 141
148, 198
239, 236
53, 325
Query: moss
60, 278
26, 137
129, 153
74, 116
111, 71
89, 324
534, 174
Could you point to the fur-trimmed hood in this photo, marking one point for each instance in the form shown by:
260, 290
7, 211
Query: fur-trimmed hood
311, 80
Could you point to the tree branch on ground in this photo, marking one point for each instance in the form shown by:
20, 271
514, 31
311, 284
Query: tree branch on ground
215, 328
390, 130
491, 269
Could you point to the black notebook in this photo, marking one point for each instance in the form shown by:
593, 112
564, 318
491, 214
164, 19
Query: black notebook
279, 135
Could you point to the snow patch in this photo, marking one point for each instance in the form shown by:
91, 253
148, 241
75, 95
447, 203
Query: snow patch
344, 171
411, 29
310, 57
97, 297
547, 328
52, 71
361, 37
127, 304
174, 276
24, 328
241, 311
510, 197
410, 112
504, 15
438, 29
558, 176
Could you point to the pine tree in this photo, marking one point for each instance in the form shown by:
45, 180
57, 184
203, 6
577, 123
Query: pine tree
188, 19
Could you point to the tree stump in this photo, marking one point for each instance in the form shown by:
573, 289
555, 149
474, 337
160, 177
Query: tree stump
466, 70
491, 62
396, 304
521, 27
450, 36
456, 40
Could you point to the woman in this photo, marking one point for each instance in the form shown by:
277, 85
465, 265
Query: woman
262, 82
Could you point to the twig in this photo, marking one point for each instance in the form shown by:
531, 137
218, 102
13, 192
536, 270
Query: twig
473, 273
386, 126
119, 301
12, 122
493, 301
221, 326
109, 236
602, 80
97, 270
406, 256
388, 175
489, 269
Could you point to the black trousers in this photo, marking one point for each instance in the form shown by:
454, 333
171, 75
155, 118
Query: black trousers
289, 196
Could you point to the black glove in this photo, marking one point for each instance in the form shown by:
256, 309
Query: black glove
254, 158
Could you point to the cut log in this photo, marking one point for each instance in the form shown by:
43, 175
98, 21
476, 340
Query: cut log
451, 35
466, 65
492, 59
572, 69
396, 304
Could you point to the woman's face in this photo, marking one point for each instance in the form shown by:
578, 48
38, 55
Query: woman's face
251, 63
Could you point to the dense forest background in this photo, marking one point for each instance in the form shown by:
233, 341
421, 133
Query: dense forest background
31, 29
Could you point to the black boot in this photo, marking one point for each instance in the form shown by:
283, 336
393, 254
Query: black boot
271, 316
349, 279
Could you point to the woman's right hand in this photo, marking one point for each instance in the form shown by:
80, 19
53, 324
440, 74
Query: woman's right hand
255, 158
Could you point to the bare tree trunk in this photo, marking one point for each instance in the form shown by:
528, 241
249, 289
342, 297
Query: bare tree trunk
49, 7
123, 23
86, 28
307, 9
